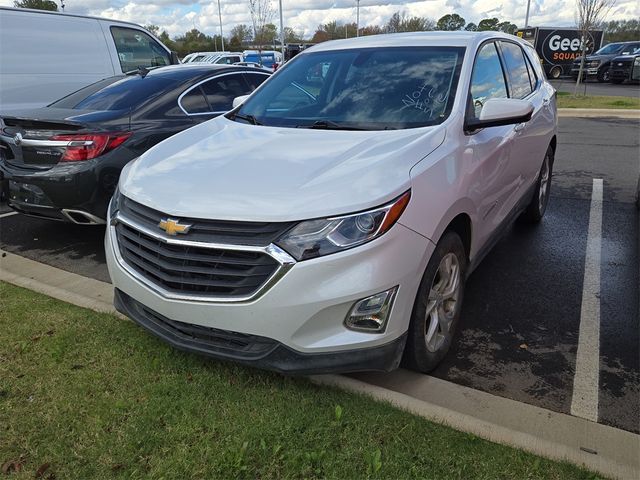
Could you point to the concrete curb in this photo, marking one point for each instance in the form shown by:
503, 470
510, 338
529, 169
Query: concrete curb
54, 282
598, 113
604, 449
609, 451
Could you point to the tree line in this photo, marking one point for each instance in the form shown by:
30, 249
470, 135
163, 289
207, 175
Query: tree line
264, 35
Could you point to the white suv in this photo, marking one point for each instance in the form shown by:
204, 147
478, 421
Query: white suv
330, 221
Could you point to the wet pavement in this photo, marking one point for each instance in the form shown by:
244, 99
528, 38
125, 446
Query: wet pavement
519, 333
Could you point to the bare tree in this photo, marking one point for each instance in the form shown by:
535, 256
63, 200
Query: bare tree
262, 13
590, 13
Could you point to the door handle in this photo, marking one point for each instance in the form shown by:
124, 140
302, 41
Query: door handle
519, 127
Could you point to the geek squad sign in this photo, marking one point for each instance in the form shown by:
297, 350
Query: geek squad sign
565, 45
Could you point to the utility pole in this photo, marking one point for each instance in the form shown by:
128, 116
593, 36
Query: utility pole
220, 18
526, 20
357, 18
281, 33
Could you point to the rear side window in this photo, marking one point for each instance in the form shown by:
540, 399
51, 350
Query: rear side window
487, 80
194, 101
221, 91
255, 79
519, 82
137, 49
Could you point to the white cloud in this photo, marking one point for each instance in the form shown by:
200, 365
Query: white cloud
178, 16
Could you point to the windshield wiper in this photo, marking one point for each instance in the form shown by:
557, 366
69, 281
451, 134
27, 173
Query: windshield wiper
247, 118
329, 125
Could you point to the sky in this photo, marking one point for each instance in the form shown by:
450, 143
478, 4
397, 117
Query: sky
178, 16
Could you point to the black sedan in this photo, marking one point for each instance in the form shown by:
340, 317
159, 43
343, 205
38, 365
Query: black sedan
63, 161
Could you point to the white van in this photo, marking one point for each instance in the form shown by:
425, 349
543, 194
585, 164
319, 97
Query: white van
47, 55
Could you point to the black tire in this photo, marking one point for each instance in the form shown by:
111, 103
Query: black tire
538, 205
604, 75
420, 354
555, 73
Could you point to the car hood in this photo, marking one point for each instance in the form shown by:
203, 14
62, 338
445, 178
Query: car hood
227, 170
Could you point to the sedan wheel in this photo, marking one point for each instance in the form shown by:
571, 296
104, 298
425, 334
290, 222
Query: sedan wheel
438, 304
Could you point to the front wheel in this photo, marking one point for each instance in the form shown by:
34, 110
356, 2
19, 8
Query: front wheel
538, 205
604, 75
437, 308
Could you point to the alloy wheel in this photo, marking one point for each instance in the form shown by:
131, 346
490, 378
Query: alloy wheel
442, 302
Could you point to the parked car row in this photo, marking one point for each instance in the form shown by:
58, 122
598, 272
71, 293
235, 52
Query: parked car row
261, 59
615, 62
325, 223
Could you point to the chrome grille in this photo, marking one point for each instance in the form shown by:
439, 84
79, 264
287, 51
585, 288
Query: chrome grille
198, 271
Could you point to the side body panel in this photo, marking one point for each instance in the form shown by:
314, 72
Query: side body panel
45, 57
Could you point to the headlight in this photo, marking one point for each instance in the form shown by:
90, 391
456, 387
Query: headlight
114, 205
315, 238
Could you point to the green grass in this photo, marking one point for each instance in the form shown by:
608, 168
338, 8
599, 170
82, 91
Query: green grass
568, 100
94, 396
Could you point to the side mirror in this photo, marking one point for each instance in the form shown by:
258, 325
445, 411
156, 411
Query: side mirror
501, 111
174, 58
239, 100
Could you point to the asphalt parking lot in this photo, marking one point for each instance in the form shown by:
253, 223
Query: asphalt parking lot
522, 313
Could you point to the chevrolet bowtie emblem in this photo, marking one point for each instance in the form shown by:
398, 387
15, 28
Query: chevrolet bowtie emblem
172, 227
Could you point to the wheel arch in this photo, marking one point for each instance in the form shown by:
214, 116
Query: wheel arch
461, 225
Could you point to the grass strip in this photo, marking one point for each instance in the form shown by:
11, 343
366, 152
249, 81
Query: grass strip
568, 100
87, 395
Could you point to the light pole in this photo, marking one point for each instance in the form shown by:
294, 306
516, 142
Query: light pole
357, 18
526, 20
220, 18
281, 33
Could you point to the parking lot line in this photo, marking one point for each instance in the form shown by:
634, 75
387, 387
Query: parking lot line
584, 402
8, 214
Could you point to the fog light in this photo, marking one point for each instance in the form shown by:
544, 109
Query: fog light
371, 314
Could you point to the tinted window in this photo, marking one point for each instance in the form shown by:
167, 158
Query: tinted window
488, 79
195, 102
361, 88
125, 93
71, 100
221, 91
255, 79
514, 62
610, 49
137, 49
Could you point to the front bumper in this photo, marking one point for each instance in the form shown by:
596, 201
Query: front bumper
587, 72
303, 313
257, 351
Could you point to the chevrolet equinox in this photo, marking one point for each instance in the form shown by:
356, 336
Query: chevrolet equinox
328, 223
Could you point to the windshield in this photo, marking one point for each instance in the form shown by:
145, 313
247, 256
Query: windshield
610, 49
372, 89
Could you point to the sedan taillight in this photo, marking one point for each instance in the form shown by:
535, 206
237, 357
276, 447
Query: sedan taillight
87, 146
